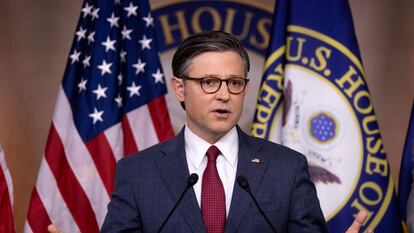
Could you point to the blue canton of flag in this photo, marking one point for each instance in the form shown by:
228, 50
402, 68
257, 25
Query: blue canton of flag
110, 105
314, 99
114, 63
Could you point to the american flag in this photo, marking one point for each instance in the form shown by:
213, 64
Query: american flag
6, 197
110, 104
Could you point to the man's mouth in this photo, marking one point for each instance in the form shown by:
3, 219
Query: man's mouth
221, 111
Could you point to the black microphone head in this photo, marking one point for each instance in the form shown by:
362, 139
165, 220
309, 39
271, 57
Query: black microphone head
192, 180
243, 182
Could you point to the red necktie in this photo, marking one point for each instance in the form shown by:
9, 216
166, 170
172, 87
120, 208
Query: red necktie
213, 202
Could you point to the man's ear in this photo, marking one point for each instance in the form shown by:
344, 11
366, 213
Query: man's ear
177, 85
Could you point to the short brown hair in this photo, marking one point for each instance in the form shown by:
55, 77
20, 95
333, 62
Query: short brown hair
199, 43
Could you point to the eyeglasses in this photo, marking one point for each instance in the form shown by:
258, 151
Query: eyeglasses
211, 85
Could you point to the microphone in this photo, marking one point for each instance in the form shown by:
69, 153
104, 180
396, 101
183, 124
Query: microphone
191, 181
244, 184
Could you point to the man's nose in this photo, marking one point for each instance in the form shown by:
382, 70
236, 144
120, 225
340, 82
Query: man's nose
223, 93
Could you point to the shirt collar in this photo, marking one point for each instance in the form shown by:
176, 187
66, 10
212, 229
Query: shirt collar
197, 147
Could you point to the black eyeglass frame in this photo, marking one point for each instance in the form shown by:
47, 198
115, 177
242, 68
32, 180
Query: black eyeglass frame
200, 80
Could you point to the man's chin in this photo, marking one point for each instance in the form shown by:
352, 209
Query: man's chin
222, 129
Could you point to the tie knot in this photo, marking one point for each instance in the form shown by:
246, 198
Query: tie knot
212, 153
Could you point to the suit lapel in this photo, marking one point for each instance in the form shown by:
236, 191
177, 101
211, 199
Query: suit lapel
253, 171
173, 169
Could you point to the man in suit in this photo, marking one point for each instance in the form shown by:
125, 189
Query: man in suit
210, 80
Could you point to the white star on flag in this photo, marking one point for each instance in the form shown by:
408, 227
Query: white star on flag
145, 43
120, 79
139, 66
123, 54
74, 56
96, 116
133, 90
100, 92
109, 44
81, 33
95, 14
149, 21
113, 21
126, 33
105, 68
86, 61
90, 37
86, 10
158, 76
82, 85
118, 100
131, 9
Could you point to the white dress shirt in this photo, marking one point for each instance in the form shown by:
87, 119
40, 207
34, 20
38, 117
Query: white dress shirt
195, 150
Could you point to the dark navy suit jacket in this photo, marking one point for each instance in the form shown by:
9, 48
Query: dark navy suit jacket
148, 184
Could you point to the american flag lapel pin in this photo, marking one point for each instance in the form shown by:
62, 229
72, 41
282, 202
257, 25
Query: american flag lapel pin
257, 161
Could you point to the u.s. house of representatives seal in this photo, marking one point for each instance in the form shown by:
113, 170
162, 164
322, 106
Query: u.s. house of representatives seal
315, 100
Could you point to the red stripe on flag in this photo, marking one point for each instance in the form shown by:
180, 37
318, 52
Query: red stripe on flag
6, 221
104, 159
161, 118
130, 146
69, 187
37, 217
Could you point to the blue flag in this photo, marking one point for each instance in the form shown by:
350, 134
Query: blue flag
314, 99
405, 190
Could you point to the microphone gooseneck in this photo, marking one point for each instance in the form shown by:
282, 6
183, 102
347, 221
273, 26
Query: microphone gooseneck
191, 181
244, 184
